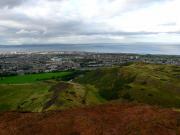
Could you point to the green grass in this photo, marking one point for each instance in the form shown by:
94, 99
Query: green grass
77, 95
32, 78
93, 96
34, 96
24, 97
144, 83
29, 92
139, 82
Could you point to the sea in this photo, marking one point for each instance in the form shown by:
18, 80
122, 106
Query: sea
153, 48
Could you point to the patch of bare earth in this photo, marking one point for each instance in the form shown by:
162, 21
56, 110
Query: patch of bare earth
111, 119
56, 90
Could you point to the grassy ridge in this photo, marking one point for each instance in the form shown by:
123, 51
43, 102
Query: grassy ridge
73, 95
145, 83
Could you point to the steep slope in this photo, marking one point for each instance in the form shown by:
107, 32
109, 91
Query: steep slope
109, 119
139, 82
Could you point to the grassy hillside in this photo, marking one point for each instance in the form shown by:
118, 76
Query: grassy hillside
146, 83
29, 97
69, 95
44, 91
47, 95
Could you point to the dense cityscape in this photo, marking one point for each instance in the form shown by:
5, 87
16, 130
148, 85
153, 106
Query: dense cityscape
25, 63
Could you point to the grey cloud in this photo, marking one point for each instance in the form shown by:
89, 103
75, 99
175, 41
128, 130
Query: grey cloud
120, 33
175, 32
10, 3
45, 29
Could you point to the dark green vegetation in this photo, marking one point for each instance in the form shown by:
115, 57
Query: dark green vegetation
139, 82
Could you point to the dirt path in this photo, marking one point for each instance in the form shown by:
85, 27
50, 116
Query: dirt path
56, 90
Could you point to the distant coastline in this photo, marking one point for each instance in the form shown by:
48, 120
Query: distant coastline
96, 48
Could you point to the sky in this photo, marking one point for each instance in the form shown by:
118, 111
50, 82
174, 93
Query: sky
89, 21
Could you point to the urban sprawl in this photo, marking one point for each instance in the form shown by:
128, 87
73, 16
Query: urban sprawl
27, 63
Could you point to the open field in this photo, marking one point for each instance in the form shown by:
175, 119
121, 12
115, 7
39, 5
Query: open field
31, 78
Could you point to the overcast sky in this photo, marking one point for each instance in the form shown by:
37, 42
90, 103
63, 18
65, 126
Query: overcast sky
89, 21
